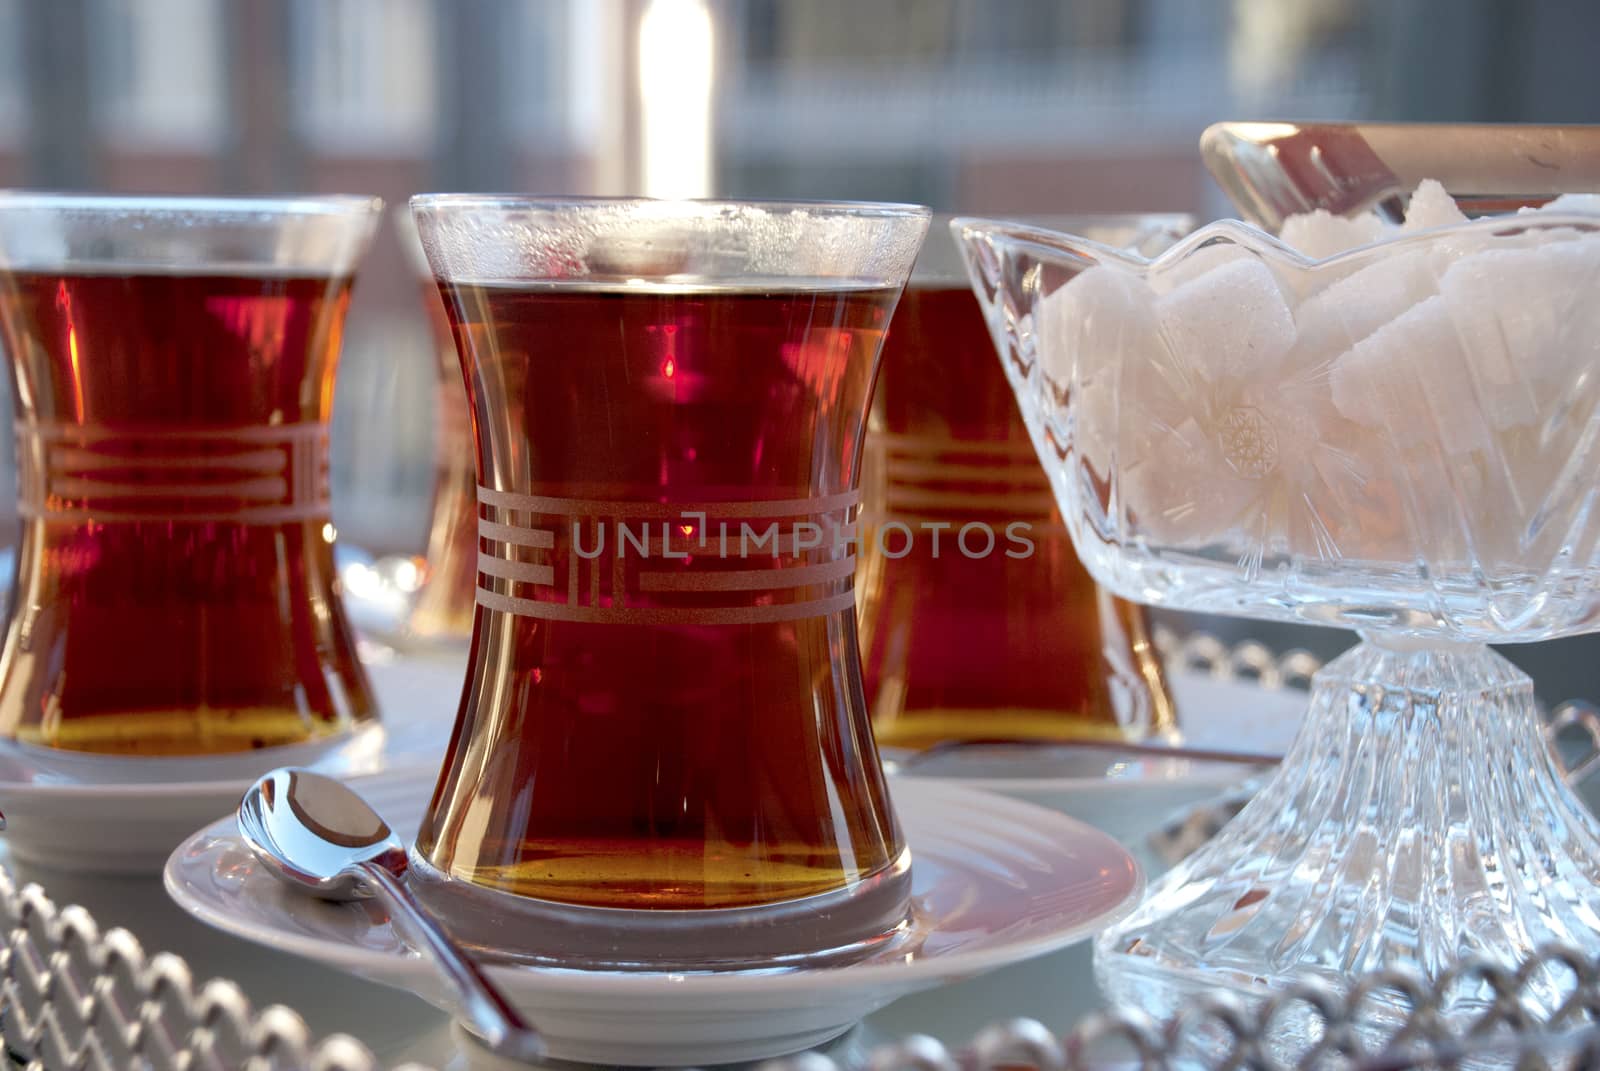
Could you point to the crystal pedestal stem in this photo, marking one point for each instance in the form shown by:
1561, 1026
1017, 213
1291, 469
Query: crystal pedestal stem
1418, 818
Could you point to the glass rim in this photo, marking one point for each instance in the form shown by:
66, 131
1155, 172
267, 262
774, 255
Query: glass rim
860, 209
1260, 243
200, 206
940, 264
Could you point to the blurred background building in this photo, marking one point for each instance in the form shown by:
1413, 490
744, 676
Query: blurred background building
976, 105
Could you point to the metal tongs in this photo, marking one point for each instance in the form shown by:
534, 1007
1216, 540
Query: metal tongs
1271, 171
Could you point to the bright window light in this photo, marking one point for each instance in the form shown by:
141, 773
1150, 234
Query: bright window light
675, 70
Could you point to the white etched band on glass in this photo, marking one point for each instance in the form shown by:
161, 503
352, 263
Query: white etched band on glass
249, 474
932, 477
666, 563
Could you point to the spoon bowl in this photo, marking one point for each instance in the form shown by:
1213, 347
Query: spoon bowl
319, 836
313, 831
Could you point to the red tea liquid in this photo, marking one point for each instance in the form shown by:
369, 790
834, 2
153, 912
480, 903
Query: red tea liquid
175, 588
684, 726
967, 640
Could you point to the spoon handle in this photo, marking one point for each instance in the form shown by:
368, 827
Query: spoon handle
493, 1018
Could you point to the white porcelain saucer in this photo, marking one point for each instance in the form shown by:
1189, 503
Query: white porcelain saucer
121, 815
1128, 796
995, 882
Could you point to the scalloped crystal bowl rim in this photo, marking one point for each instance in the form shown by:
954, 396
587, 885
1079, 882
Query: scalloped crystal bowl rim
1238, 232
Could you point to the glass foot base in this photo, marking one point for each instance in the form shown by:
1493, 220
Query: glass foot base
826, 930
356, 750
1418, 820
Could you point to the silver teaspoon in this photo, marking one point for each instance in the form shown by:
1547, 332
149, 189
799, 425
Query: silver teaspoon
317, 835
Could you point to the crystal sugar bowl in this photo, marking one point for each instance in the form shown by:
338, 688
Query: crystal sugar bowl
1401, 439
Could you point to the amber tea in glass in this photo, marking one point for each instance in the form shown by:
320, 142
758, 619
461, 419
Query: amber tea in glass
663, 749
172, 368
977, 619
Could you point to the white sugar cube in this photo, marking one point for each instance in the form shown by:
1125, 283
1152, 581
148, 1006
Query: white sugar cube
1347, 311
1097, 315
1410, 381
1431, 206
1321, 234
1097, 336
1527, 319
1408, 406
1230, 322
1580, 203
1180, 492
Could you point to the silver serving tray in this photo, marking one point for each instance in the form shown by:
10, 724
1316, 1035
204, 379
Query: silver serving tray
74, 998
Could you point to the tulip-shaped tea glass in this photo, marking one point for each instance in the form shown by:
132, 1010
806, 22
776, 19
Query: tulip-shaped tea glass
662, 757
977, 620
172, 367
1404, 440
